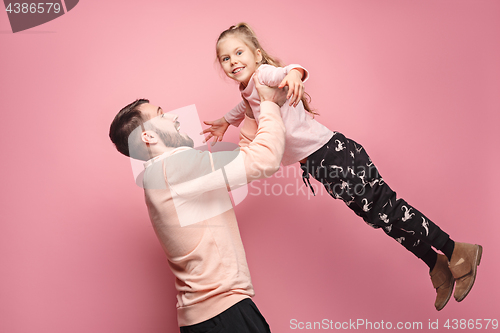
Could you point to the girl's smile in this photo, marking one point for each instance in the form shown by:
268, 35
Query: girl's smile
238, 61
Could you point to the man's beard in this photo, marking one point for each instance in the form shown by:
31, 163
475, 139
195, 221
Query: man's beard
175, 140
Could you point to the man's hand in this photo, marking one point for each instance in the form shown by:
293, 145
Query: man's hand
293, 81
266, 93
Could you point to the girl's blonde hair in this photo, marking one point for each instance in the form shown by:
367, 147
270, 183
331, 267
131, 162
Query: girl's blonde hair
247, 35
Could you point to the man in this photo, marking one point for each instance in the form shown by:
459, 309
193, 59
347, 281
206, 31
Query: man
187, 199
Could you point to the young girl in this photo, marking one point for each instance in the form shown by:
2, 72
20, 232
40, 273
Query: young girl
340, 164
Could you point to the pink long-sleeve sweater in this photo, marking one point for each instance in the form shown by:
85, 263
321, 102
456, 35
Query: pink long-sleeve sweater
304, 135
187, 199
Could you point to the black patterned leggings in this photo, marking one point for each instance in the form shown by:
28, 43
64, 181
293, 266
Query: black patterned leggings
347, 173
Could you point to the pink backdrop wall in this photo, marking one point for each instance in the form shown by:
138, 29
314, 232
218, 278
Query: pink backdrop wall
416, 82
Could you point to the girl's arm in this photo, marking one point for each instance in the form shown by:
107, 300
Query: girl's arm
237, 114
292, 76
216, 130
219, 127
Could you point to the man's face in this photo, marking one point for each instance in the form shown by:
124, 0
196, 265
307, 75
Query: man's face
166, 126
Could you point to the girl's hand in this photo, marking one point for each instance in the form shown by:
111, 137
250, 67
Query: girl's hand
216, 130
295, 85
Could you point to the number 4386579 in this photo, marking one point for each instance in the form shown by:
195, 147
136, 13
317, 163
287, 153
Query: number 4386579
471, 324
33, 8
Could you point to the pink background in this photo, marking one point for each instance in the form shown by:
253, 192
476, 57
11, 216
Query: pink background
416, 82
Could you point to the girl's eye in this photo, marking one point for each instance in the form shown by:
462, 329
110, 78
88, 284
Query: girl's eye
239, 52
225, 59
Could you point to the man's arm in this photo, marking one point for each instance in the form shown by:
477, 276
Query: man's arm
233, 169
263, 155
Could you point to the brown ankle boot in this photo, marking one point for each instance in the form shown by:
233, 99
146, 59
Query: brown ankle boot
463, 265
442, 281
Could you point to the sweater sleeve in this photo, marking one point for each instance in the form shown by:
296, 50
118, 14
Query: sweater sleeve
192, 173
272, 76
237, 114
263, 155
247, 131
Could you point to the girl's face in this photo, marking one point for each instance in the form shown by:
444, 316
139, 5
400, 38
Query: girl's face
238, 61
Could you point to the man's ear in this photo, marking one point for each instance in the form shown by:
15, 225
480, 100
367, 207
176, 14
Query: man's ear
149, 137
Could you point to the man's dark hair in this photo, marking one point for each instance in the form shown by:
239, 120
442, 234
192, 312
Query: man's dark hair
128, 119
